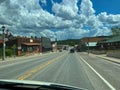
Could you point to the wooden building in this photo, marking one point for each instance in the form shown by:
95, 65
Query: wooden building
110, 44
90, 42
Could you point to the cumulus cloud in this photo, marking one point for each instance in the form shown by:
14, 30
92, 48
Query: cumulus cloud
14, 11
66, 9
98, 24
87, 8
103, 31
27, 17
72, 33
48, 33
109, 19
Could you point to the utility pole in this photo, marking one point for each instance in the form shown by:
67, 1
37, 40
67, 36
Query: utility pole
56, 42
3, 29
88, 46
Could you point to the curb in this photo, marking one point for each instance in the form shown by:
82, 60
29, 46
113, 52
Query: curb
118, 62
109, 60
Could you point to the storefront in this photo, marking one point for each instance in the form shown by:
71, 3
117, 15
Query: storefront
23, 45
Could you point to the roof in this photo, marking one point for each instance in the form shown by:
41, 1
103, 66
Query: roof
114, 39
93, 39
31, 44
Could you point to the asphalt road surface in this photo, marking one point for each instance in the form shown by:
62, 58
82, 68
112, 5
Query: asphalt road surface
76, 69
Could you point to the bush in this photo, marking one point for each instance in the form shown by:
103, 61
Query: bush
9, 52
0, 52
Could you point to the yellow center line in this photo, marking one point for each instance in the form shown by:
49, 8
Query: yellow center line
33, 71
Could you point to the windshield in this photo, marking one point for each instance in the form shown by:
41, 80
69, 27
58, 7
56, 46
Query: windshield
68, 42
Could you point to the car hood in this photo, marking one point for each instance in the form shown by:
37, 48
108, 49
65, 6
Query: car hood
31, 82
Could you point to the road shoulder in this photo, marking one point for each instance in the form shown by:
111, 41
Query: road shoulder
103, 56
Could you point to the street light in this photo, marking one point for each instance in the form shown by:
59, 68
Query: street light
3, 29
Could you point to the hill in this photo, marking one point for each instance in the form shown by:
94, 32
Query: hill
70, 42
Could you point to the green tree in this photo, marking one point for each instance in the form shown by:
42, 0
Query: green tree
115, 31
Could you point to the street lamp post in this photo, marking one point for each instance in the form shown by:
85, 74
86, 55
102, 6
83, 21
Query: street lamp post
3, 29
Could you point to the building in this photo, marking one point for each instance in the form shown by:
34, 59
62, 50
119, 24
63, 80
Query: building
1, 41
46, 44
110, 44
24, 46
90, 42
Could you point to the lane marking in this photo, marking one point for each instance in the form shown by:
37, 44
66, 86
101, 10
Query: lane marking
105, 81
38, 68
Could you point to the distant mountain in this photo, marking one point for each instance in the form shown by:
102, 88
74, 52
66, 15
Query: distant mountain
70, 42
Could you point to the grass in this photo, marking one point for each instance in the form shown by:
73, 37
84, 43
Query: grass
118, 50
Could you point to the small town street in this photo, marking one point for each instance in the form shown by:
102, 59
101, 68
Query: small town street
76, 69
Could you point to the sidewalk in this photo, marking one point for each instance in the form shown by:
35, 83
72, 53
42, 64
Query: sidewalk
22, 57
7, 59
103, 56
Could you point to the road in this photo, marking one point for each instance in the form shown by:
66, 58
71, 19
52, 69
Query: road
76, 69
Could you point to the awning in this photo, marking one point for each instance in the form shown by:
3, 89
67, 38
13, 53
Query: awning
31, 44
92, 44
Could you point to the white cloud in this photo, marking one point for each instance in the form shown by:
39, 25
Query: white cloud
66, 9
87, 8
14, 10
26, 17
72, 33
48, 33
89, 14
109, 19
94, 22
103, 31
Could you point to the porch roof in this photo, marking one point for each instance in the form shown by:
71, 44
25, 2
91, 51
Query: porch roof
31, 44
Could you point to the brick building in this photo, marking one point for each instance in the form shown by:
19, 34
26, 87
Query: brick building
1, 41
25, 45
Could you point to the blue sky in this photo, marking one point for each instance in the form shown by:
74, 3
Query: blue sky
109, 6
61, 19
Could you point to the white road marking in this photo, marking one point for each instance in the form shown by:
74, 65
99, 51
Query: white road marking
109, 85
